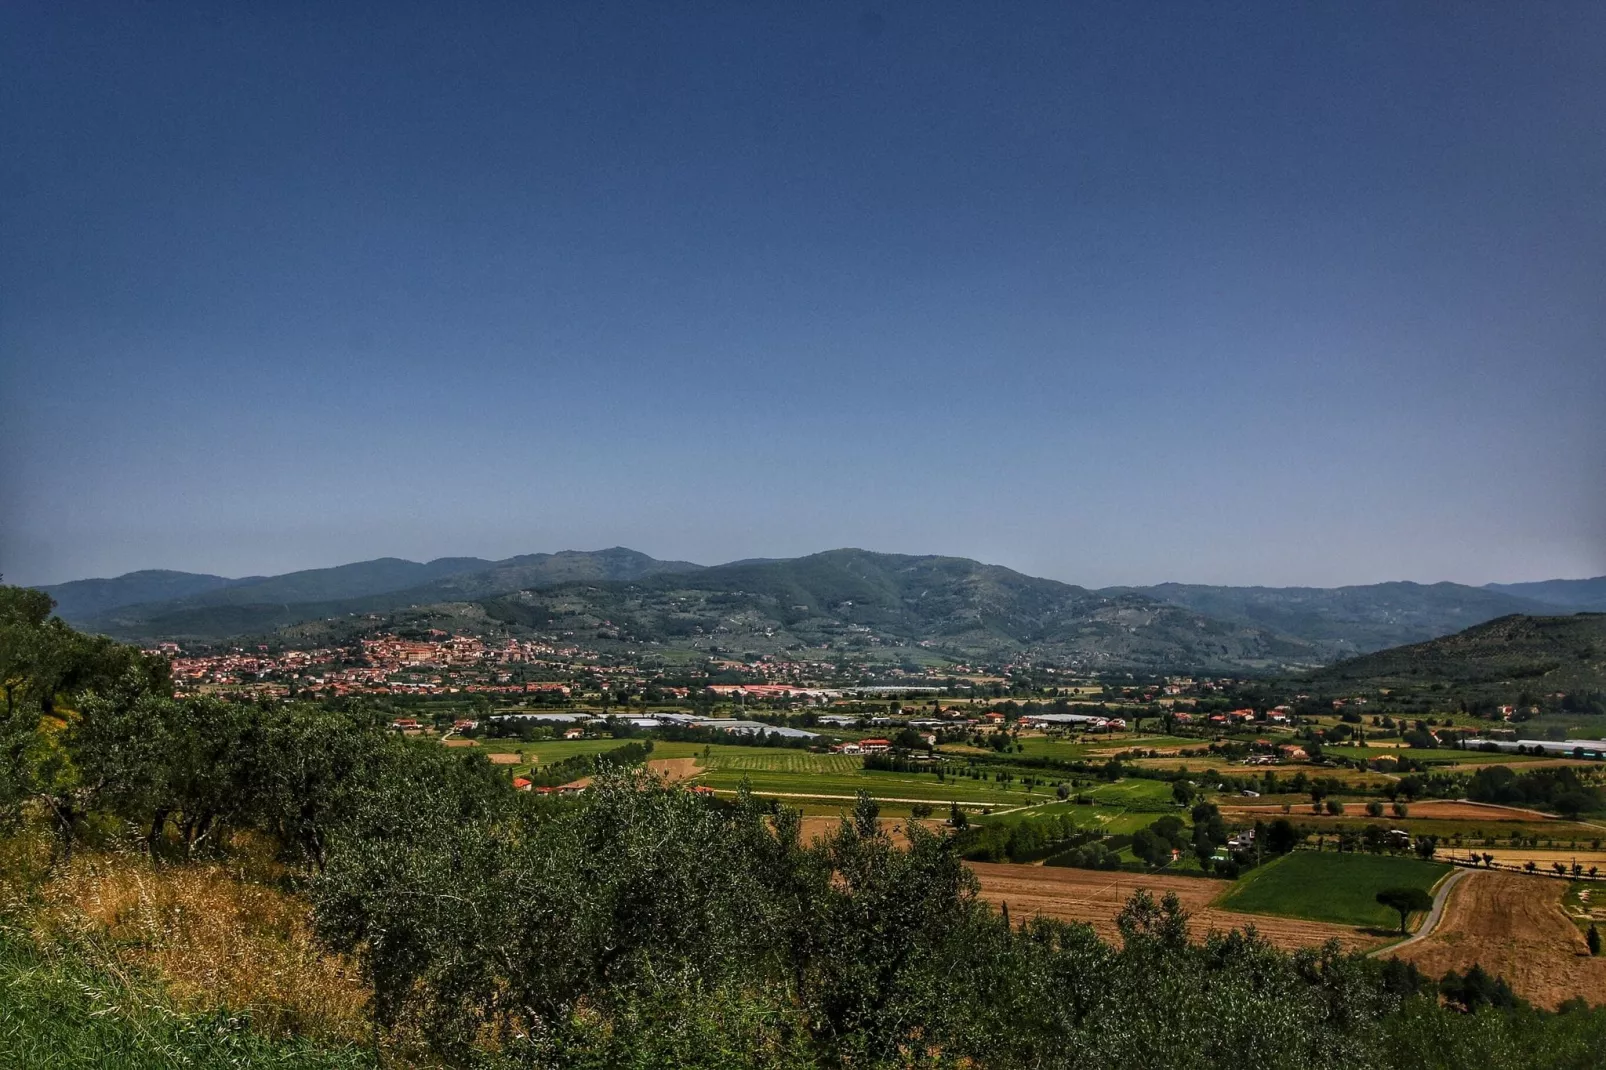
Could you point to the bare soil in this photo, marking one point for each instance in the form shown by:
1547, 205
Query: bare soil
818, 828
1096, 897
1513, 926
1435, 809
673, 769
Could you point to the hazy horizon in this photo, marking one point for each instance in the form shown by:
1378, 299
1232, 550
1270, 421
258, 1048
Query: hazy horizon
1268, 294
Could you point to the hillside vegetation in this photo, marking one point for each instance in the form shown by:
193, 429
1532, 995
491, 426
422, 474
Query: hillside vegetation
853, 599
1587, 595
1540, 654
260, 605
1344, 621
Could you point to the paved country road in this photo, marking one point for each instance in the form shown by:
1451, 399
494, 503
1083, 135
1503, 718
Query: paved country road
1441, 897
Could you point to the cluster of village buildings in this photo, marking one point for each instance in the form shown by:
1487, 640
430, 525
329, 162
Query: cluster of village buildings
444, 663
386, 664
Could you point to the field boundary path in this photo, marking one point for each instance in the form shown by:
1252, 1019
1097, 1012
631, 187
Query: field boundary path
877, 798
1535, 813
1431, 922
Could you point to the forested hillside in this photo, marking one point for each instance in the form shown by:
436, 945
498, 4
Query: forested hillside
1543, 654
854, 599
82, 600
257, 606
1344, 621
1587, 595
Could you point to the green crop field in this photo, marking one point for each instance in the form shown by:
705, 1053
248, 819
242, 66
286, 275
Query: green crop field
879, 784
1321, 886
1098, 748
778, 760
1111, 821
1148, 796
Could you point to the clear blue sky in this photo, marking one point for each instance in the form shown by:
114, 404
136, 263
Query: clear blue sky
1246, 293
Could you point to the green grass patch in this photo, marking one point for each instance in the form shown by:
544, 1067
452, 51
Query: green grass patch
1327, 886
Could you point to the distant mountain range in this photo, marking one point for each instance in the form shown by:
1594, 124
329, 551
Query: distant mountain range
845, 599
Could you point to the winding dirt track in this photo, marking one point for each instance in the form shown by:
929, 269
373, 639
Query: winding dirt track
1513, 926
1096, 897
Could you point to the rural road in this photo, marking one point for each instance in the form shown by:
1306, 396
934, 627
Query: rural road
1439, 899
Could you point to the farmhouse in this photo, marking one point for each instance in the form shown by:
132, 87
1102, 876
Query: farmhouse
875, 746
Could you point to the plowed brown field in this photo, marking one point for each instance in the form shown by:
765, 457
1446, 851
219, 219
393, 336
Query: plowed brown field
1436, 809
1513, 926
1096, 897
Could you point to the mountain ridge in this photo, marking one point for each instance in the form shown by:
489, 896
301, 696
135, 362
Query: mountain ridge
853, 600
1587, 594
971, 607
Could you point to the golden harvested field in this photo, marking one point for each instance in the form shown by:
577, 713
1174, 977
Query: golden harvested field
503, 758
1516, 856
1095, 897
1513, 926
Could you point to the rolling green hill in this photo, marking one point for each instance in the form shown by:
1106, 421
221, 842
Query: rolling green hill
83, 599
1344, 621
1540, 654
855, 600
265, 604
1588, 595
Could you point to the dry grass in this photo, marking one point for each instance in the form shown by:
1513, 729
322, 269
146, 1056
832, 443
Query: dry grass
216, 938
